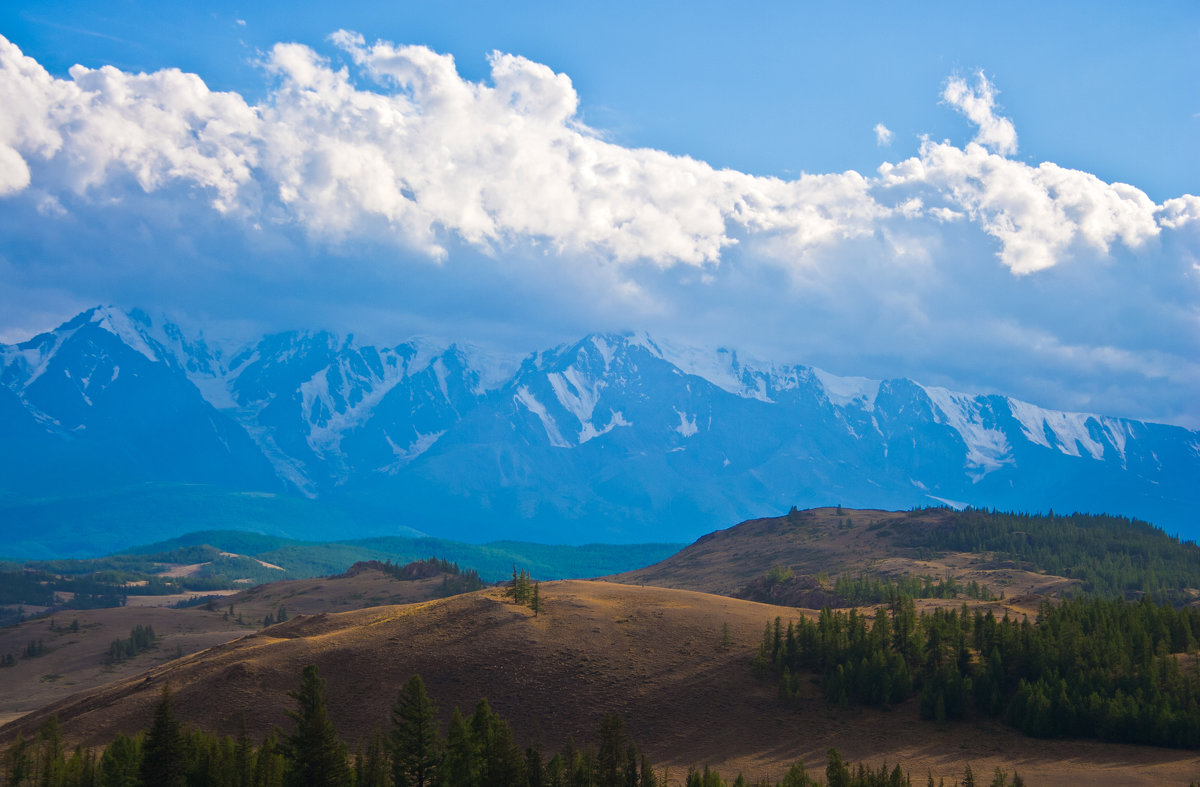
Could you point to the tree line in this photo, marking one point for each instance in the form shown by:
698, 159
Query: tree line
477, 750
1087, 667
1110, 555
141, 638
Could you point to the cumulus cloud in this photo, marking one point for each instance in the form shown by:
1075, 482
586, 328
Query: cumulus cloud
386, 148
883, 135
1039, 215
509, 161
978, 104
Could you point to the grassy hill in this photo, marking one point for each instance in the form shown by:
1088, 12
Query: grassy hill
76, 643
798, 558
671, 646
660, 657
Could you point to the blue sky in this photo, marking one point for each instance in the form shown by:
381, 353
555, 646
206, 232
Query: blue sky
875, 191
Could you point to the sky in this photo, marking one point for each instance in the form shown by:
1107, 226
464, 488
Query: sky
993, 199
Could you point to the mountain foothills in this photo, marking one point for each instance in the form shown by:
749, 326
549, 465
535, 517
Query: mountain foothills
952, 647
133, 429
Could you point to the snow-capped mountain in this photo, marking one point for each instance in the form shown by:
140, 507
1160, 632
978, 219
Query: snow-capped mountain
616, 437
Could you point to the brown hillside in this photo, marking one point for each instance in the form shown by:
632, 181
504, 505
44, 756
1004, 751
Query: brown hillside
821, 543
77, 660
655, 655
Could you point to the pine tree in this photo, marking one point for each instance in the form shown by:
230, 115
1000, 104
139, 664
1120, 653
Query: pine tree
501, 762
243, 756
459, 766
18, 760
164, 758
836, 772
534, 770
314, 754
269, 764
612, 750
121, 763
414, 738
375, 763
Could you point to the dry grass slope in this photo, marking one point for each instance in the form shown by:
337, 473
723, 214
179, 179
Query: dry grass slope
76, 660
653, 654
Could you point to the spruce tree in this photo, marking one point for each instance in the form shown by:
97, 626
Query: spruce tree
374, 772
837, 774
121, 763
243, 763
460, 764
18, 760
269, 764
501, 762
414, 737
611, 758
164, 755
314, 754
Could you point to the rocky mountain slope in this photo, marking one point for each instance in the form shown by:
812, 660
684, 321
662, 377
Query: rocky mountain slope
612, 436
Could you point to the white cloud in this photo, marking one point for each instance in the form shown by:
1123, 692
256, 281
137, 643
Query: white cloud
537, 220
978, 104
509, 162
883, 135
1040, 215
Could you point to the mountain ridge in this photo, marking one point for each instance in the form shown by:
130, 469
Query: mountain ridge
609, 434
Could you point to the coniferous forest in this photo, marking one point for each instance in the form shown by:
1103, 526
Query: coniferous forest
477, 750
1087, 667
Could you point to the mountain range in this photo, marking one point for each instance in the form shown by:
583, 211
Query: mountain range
119, 426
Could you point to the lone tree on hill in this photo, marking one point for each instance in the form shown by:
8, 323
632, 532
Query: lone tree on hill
315, 756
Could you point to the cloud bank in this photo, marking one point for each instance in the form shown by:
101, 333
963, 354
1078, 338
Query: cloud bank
500, 180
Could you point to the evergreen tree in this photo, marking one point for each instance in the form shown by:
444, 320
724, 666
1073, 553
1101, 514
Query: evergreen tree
459, 765
501, 762
121, 764
414, 738
50, 753
374, 772
269, 764
164, 758
315, 756
243, 764
797, 776
535, 772
611, 759
837, 774
18, 760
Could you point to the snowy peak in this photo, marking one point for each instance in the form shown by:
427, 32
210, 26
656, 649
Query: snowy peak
1074, 434
858, 392
621, 421
124, 326
722, 367
575, 392
975, 421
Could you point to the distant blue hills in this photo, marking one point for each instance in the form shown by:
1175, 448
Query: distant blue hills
119, 428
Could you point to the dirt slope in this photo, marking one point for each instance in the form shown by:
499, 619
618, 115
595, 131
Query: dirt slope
655, 655
77, 660
823, 541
